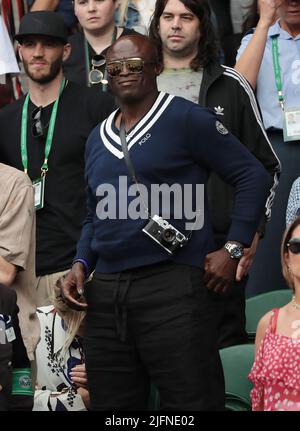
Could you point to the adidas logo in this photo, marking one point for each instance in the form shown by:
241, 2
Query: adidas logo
219, 110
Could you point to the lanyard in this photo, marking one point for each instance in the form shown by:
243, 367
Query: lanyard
129, 164
50, 133
277, 70
88, 61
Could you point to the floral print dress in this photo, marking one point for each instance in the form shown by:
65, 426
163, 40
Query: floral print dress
55, 391
276, 371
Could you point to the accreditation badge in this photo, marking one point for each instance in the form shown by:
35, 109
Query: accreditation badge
39, 190
10, 334
291, 124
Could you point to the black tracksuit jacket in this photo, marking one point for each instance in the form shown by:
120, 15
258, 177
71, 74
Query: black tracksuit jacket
231, 97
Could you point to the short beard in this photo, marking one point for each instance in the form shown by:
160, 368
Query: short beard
55, 69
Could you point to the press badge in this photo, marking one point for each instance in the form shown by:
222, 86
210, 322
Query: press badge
39, 189
7, 331
291, 124
10, 334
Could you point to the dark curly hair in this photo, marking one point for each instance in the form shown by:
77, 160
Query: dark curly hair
207, 47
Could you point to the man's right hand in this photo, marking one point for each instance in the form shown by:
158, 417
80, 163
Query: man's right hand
73, 286
268, 10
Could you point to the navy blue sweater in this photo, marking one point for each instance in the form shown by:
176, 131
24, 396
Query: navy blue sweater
176, 142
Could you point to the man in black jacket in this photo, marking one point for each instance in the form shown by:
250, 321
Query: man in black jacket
46, 139
184, 36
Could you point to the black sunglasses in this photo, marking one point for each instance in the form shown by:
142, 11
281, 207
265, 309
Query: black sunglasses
133, 65
37, 129
294, 245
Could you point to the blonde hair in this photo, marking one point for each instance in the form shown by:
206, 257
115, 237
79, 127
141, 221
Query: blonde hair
72, 318
284, 250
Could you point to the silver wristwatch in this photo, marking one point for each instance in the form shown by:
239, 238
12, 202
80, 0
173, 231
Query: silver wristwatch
236, 251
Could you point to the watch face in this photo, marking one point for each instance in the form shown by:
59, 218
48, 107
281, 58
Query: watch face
237, 253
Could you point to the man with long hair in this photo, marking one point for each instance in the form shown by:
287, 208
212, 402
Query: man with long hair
183, 33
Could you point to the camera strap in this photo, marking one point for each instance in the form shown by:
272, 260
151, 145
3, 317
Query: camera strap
127, 159
129, 164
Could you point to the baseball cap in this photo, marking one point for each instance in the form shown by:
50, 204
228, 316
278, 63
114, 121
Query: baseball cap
44, 23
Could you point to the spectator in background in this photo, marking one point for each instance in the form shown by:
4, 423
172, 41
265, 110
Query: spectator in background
269, 57
63, 7
276, 370
293, 206
251, 18
11, 12
239, 9
61, 376
86, 63
183, 33
135, 14
221, 9
223, 27
239, 12
8, 65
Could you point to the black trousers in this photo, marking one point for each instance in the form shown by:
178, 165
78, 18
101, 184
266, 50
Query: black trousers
230, 310
230, 315
156, 324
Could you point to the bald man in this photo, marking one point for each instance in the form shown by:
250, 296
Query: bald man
150, 315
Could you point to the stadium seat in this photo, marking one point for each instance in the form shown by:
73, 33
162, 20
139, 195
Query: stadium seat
259, 305
237, 362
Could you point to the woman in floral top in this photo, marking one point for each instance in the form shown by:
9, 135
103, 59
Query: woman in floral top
61, 375
276, 370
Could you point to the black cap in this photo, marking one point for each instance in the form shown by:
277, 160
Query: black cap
42, 23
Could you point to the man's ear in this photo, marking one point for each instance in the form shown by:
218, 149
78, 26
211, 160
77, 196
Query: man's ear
20, 51
67, 51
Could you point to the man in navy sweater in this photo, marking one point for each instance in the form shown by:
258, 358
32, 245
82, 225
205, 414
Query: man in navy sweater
150, 316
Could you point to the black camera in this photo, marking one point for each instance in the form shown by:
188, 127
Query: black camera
166, 235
